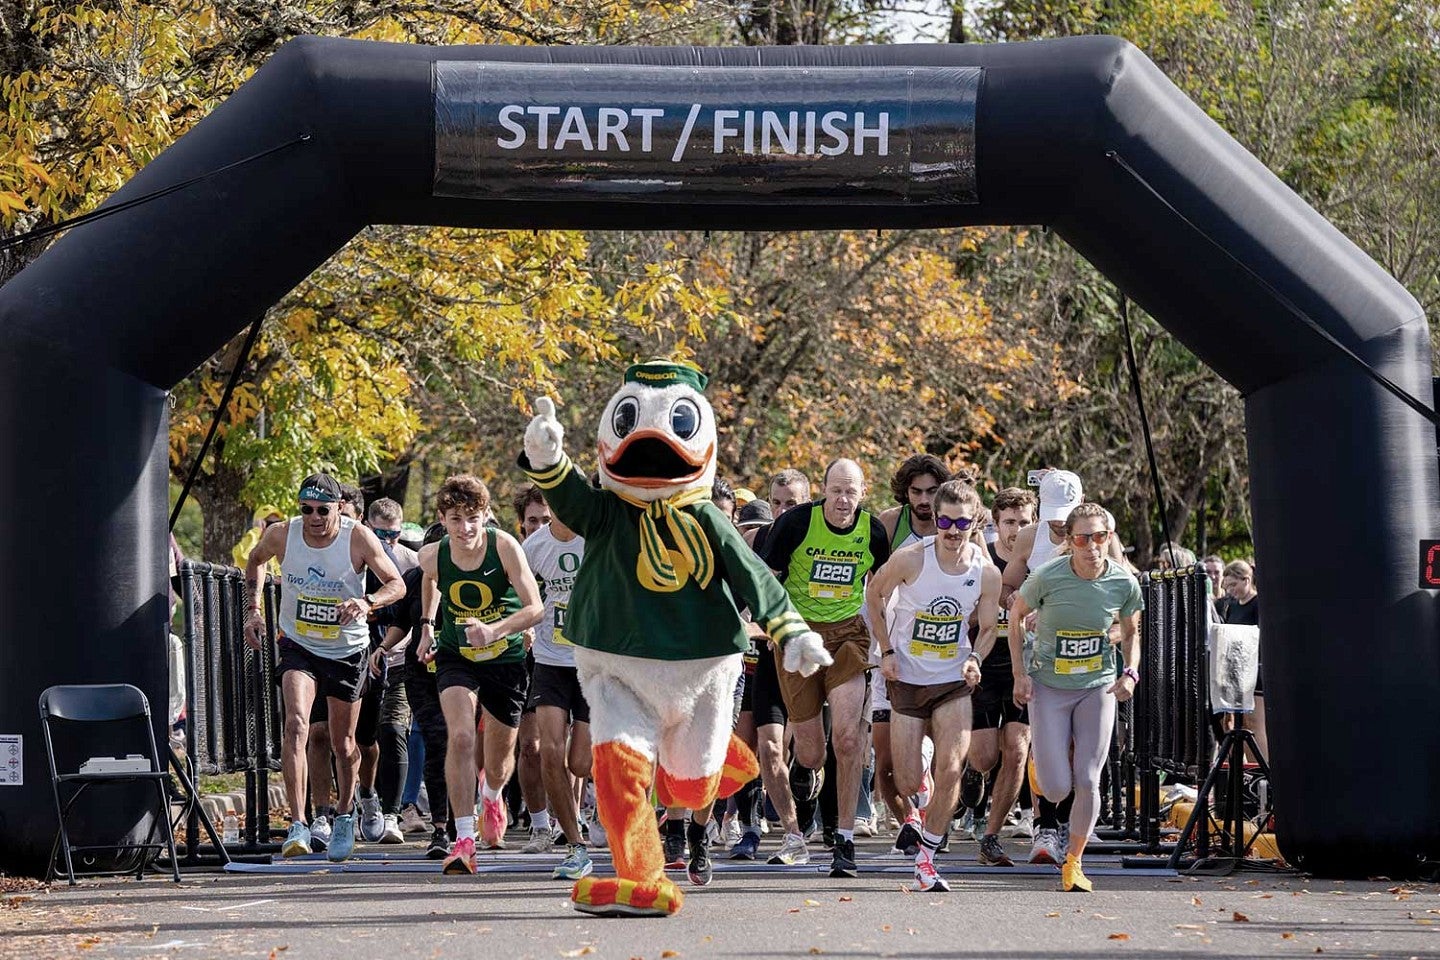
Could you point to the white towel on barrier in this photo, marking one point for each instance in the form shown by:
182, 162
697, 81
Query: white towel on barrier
1234, 667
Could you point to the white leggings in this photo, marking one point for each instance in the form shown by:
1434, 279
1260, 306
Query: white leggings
1060, 719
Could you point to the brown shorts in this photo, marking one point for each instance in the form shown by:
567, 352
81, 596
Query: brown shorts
849, 643
921, 700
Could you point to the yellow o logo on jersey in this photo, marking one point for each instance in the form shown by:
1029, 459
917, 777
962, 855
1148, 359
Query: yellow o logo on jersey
470, 596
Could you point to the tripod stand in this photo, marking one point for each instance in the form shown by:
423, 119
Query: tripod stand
1230, 763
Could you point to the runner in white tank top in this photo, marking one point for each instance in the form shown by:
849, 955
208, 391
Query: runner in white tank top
926, 659
314, 583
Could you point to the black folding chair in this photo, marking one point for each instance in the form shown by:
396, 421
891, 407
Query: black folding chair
125, 708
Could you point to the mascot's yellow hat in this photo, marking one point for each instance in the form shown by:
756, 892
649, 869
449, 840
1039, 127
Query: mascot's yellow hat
663, 373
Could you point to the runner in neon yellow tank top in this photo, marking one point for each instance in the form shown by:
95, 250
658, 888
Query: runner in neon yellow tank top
822, 552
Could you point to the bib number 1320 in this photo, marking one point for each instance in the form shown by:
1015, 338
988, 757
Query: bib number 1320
1077, 652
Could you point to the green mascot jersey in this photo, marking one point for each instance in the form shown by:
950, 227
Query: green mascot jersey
611, 611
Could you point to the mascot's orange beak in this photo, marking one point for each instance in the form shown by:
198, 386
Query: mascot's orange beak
651, 458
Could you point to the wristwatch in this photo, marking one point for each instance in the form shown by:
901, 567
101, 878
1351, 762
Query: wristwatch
976, 657
427, 621
1132, 673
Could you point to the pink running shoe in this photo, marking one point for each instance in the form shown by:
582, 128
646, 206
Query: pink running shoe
462, 857
492, 824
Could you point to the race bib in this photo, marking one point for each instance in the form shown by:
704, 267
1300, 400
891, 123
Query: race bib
935, 638
1077, 652
481, 654
559, 635
751, 656
317, 617
832, 579
1002, 625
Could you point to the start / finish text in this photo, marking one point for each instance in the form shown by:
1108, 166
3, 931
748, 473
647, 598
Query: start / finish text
632, 130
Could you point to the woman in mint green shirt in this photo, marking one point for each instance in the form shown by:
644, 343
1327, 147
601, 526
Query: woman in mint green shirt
1075, 675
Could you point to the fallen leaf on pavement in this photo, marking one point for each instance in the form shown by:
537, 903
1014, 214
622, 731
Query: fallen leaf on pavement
1101, 916
1197, 901
816, 951
846, 899
1287, 935
1239, 917
1052, 914
1118, 936
667, 954
578, 951
812, 903
1189, 926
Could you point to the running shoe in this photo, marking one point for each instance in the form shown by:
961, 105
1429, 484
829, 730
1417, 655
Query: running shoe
793, 851
864, 827
927, 878
842, 864
1072, 879
1046, 848
492, 824
411, 820
700, 870
599, 839
297, 840
1064, 840
372, 819
907, 841
747, 847
576, 865
732, 832
439, 845
392, 832
806, 784
713, 835
674, 846
1024, 826
541, 841
967, 823
992, 852
972, 788
342, 838
461, 858
320, 833
828, 836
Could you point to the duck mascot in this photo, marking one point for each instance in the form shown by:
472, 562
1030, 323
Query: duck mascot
655, 619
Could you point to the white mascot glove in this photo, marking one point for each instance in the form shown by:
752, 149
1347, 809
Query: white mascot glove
544, 436
806, 653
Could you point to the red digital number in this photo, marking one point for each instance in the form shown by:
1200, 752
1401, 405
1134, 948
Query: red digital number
1431, 555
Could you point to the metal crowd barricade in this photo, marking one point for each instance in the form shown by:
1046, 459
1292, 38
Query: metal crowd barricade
1173, 737
234, 720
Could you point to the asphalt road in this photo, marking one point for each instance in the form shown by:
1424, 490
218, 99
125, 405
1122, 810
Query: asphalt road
372, 911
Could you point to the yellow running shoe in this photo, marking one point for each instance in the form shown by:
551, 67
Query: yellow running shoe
1072, 880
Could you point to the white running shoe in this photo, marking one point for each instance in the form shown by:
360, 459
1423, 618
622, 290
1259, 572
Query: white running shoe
732, 832
793, 851
541, 841
392, 832
927, 878
1024, 826
598, 838
864, 827
320, 833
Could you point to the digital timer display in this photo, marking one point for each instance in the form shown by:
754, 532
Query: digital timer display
1430, 564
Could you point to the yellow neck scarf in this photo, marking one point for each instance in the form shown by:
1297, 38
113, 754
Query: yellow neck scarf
659, 568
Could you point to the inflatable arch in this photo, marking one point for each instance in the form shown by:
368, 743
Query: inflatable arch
1083, 135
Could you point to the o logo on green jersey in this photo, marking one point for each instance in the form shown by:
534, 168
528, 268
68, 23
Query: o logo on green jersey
468, 596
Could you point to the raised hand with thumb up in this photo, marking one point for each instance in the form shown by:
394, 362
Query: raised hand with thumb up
544, 437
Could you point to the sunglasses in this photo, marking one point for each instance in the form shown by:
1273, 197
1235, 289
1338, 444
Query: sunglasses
1098, 537
306, 509
959, 523
386, 534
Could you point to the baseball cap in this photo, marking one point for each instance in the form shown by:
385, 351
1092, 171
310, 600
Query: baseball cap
743, 495
1060, 492
320, 486
756, 513
412, 535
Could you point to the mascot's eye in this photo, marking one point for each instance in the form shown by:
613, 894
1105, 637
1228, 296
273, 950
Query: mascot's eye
627, 411
685, 419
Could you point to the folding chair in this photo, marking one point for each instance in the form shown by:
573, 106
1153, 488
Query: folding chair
111, 703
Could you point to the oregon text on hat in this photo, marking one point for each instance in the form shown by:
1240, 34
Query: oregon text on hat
664, 374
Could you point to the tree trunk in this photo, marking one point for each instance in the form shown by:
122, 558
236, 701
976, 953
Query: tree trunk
226, 515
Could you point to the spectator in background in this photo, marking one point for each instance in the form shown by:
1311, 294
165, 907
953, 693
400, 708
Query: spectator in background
1171, 555
1241, 605
352, 502
724, 498
263, 517
1215, 571
531, 510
